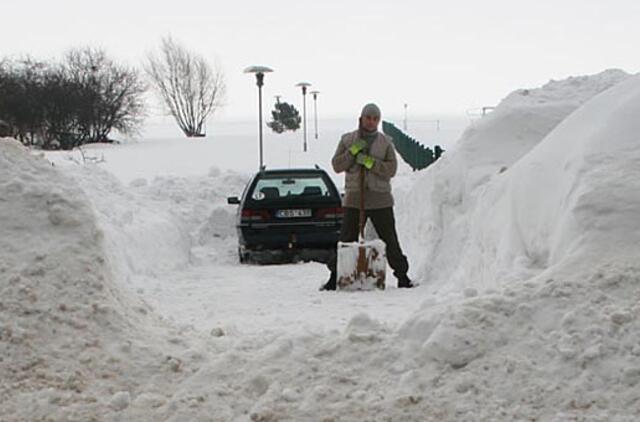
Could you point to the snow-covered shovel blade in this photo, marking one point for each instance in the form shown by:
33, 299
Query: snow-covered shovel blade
361, 265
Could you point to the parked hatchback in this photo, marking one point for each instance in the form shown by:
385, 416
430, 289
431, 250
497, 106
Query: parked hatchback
288, 215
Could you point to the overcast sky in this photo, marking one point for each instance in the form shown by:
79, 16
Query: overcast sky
439, 57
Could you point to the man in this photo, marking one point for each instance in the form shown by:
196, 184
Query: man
368, 148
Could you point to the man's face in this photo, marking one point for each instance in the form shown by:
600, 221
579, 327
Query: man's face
370, 123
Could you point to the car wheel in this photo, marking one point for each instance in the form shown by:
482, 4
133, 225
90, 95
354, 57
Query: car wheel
242, 257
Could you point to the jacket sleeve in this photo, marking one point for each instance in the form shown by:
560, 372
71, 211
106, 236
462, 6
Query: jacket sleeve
387, 167
342, 159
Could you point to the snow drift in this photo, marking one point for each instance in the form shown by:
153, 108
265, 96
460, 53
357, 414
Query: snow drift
519, 226
464, 217
574, 198
72, 345
542, 242
152, 228
526, 237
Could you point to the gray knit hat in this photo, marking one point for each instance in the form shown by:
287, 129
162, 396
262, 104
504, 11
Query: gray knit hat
370, 110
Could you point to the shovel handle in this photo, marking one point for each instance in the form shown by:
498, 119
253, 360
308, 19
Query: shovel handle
362, 216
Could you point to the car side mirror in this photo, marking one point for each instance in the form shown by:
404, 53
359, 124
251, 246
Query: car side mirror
233, 200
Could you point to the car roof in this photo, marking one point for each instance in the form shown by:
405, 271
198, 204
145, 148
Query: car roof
289, 171
292, 171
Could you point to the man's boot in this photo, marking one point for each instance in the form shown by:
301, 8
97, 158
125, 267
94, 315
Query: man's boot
331, 283
405, 282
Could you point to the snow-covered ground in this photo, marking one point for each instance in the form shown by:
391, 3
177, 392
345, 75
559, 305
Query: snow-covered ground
163, 202
122, 299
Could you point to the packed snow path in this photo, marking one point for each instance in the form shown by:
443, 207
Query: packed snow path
244, 299
176, 243
163, 206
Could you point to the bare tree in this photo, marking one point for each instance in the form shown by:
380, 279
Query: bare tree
110, 94
80, 100
189, 86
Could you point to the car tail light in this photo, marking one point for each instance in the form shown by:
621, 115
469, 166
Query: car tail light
330, 212
255, 215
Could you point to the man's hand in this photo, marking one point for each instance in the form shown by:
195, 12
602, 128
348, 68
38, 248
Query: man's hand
365, 160
357, 147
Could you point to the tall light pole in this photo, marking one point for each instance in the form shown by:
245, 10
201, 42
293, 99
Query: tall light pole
405, 116
315, 110
304, 86
259, 71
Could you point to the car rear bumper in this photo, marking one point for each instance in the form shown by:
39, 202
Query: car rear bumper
289, 237
278, 256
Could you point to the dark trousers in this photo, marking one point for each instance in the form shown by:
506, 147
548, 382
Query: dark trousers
385, 224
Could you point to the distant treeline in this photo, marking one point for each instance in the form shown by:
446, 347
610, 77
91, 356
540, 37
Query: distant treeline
86, 95
75, 101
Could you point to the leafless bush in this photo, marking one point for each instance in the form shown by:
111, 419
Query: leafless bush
190, 88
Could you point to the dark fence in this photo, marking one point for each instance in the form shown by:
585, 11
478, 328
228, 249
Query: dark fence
412, 152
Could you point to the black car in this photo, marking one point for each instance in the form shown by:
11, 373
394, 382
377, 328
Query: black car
288, 215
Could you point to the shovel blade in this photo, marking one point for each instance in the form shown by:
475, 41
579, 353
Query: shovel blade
361, 266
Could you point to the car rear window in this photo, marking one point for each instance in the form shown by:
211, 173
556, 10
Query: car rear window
275, 186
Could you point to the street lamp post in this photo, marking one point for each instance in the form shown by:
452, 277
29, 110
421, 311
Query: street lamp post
304, 86
405, 117
259, 71
315, 110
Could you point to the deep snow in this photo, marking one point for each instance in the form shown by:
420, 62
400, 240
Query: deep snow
122, 298
465, 207
73, 344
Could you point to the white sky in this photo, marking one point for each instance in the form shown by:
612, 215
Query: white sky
439, 57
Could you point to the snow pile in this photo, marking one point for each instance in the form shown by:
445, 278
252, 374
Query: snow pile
575, 198
558, 349
527, 235
72, 346
457, 234
521, 121
200, 203
542, 330
544, 243
554, 348
142, 238
544, 264
161, 226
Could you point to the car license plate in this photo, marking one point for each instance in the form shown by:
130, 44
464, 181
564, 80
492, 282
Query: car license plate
294, 213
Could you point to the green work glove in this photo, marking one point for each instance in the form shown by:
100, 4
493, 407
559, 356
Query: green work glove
365, 160
357, 147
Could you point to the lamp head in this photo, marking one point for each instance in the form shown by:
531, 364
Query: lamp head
304, 86
259, 71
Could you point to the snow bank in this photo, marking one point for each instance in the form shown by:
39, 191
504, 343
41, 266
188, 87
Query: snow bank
457, 233
561, 349
200, 204
575, 197
543, 263
156, 227
561, 343
530, 224
72, 346
141, 237
544, 243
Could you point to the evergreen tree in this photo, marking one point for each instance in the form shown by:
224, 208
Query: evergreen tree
284, 117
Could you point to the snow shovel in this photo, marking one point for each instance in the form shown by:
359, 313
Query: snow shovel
361, 265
